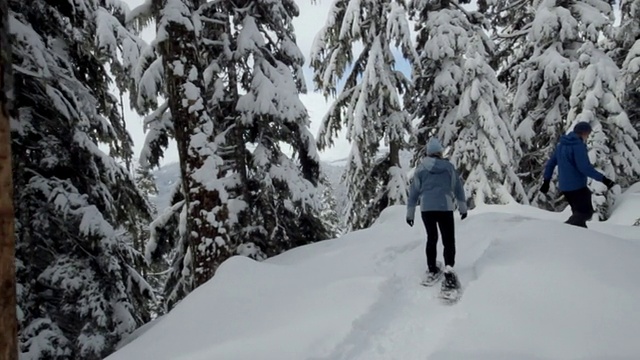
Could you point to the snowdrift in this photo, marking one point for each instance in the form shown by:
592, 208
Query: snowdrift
534, 288
627, 208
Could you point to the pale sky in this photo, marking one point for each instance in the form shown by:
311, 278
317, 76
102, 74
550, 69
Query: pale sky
311, 19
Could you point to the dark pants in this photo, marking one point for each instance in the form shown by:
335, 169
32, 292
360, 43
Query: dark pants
581, 207
444, 220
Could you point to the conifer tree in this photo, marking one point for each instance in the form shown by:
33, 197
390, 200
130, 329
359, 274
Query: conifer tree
368, 104
458, 98
539, 58
79, 292
329, 211
249, 80
612, 143
626, 54
272, 112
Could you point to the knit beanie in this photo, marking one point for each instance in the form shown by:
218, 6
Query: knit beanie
582, 127
434, 147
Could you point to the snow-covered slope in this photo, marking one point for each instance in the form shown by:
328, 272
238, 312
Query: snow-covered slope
534, 289
627, 208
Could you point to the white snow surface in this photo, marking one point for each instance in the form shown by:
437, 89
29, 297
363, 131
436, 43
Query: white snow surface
534, 288
627, 208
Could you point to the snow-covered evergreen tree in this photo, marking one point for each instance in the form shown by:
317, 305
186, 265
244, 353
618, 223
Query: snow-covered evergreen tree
168, 244
329, 212
368, 104
146, 181
249, 77
509, 23
140, 236
626, 53
625, 36
457, 97
545, 36
172, 66
282, 193
79, 292
612, 143
167, 251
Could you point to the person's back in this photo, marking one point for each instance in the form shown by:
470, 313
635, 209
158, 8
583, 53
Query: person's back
436, 186
573, 163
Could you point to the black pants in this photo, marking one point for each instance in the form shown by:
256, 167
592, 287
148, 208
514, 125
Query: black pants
444, 220
581, 207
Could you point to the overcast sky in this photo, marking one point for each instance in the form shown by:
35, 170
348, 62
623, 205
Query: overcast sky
311, 19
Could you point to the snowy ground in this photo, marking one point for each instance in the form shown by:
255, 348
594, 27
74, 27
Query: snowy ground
627, 208
534, 289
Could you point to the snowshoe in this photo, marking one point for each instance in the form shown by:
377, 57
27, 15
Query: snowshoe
451, 290
433, 277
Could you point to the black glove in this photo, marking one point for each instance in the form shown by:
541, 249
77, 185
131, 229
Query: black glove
545, 187
463, 215
608, 182
410, 222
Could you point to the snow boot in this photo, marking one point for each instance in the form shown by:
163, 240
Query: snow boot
451, 290
433, 277
450, 279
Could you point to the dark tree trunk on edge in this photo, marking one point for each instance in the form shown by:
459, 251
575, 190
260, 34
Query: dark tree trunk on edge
8, 319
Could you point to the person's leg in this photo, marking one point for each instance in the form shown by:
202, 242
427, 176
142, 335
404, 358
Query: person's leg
570, 196
430, 223
581, 206
584, 207
447, 229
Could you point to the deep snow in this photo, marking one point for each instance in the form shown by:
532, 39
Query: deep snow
534, 288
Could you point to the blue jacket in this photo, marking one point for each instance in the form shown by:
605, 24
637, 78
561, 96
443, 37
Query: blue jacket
573, 163
435, 183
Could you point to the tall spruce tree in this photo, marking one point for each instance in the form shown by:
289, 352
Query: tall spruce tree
509, 21
79, 292
539, 57
593, 99
329, 212
286, 211
457, 97
626, 53
173, 67
368, 104
251, 78
205, 194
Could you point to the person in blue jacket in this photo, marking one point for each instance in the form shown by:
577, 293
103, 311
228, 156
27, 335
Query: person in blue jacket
437, 185
572, 159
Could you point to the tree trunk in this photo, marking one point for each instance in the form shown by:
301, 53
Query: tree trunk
207, 213
394, 152
8, 319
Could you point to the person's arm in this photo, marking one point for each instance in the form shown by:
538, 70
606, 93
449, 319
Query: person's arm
414, 194
584, 165
458, 190
550, 167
